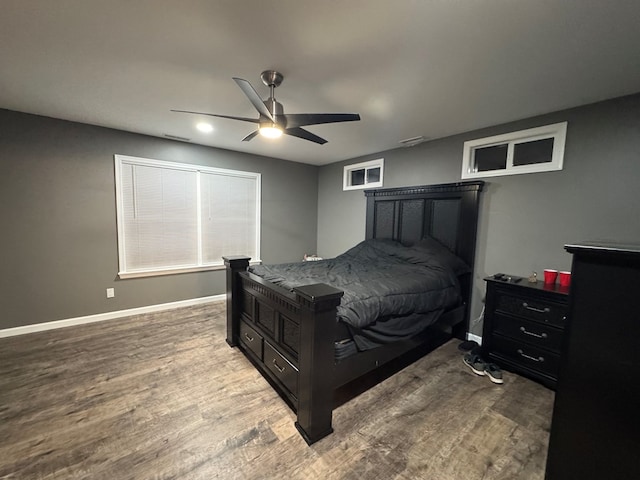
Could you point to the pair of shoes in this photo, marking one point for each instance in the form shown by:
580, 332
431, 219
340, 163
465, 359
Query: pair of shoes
475, 363
494, 373
480, 367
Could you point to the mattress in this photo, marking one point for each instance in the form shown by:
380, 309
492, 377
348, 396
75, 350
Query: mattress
391, 291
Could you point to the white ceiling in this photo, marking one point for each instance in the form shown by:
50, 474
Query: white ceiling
409, 68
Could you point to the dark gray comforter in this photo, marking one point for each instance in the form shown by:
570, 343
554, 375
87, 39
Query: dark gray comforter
381, 280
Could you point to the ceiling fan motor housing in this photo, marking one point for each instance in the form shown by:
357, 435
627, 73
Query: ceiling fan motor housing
277, 112
271, 78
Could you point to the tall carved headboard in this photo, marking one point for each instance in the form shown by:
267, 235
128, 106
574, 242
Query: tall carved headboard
447, 212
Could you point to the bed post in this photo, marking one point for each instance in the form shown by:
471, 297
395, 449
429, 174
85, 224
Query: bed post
234, 265
316, 359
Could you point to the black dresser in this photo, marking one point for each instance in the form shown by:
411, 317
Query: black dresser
524, 326
595, 430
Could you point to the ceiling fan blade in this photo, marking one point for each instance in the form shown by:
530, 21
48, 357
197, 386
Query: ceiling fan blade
302, 119
243, 119
304, 134
250, 136
253, 97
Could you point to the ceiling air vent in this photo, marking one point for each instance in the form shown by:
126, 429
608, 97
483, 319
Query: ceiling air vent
410, 142
175, 137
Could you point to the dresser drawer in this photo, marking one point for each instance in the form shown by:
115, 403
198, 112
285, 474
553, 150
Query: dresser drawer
251, 339
534, 333
285, 371
538, 309
525, 355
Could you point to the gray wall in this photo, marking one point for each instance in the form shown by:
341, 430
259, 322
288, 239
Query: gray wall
57, 206
526, 219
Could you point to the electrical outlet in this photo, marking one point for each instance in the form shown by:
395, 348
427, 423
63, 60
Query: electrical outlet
111, 293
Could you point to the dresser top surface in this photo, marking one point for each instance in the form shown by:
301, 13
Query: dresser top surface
605, 247
524, 283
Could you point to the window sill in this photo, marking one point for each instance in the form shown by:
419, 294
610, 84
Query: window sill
175, 271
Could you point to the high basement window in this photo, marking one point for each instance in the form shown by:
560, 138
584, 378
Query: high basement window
538, 149
363, 175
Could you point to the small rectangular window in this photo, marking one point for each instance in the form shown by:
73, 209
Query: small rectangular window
373, 175
530, 153
358, 177
491, 158
538, 149
363, 175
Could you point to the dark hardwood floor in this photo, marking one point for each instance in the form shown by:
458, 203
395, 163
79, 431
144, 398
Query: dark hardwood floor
162, 396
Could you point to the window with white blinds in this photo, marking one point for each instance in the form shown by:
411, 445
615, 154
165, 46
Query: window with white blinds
175, 217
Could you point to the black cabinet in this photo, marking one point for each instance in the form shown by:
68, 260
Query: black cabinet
269, 340
595, 430
524, 327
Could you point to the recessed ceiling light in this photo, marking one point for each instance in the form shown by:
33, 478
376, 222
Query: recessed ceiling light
205, 127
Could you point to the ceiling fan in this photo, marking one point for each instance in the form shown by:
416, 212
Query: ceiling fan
272, 121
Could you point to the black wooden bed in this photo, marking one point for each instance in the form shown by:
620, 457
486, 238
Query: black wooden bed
289, 334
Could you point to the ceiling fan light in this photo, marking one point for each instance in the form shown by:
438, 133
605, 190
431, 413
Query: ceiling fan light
271, 131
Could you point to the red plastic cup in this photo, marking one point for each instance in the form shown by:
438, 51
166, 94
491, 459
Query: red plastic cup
550, 275
565, 279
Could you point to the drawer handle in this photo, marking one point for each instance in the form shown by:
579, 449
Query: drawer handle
533, 334
522, 354
248, 337
278, 367
534, 309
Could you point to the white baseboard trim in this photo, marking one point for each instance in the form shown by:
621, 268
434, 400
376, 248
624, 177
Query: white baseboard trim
100, 317
475, 338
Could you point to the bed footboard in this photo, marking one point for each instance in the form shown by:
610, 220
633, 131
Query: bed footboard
289, 337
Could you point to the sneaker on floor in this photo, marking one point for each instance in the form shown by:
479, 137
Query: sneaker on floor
475, 363
493, 372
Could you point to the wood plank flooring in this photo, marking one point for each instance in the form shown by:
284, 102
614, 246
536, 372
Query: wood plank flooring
161, 396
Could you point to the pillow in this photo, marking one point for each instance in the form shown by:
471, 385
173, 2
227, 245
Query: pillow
386, 245
430, 248
428, 252
373, 248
